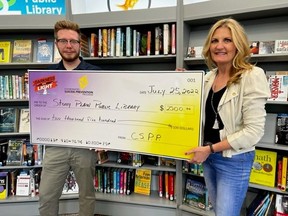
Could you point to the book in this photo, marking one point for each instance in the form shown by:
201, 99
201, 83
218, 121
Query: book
84, 50
254, 47
4, 184
13, 181
281, 205
14, 152
94, 45
142, 181
166, 39
24, 121
284, 173
28, 154
257, 203
158, 40
194, 52
279, 173
278, 85
281, 46
9, 117
104, 42
160, 183
102, 157
130, 181
70, 185
196, 194
23, 185
124, 158
171, 186
56, 56
5, 51
264, 168
282, 129
173, 39
266, 47
44, 51
271, 198
22, 51
3, 152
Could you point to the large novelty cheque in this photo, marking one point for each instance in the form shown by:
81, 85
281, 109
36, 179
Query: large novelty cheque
157, 113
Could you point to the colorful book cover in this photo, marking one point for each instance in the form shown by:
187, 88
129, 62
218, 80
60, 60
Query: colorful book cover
279, 87
266, 47
142, 181
5, 51
14, 152
44, 51
24, 121
282, 129
254, 47
196, 194
4, 185
281, 46
264, 168
281, 205
70, 185
22, 51
8, 119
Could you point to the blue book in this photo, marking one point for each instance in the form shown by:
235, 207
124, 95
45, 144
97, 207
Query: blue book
44, 51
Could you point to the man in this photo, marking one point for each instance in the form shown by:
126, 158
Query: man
59, 160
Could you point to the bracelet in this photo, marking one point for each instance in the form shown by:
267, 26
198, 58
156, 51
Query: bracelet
211, 147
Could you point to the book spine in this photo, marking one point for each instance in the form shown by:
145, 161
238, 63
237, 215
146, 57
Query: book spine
166, 39
157, 40
118, 41
173, 39
279, 173
166, 185
160, 184
134, 47
104, 42
121, 181
100, 42
171, 186
284, 173
148, 43
128, 41
113, 40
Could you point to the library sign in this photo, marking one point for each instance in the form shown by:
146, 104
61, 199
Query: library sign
157, 113
32, 7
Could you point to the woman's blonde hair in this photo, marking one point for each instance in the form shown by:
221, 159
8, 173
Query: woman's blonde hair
239, 37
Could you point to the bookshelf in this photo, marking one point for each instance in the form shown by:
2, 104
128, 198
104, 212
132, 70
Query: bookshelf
267, 20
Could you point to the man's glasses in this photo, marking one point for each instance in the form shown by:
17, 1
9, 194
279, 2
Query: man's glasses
65, 42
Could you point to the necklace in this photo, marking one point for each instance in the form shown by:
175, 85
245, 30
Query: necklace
216, 123
215, 110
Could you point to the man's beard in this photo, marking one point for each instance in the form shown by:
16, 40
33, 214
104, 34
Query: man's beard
71, 58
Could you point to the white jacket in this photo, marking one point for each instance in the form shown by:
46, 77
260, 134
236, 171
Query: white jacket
242, 110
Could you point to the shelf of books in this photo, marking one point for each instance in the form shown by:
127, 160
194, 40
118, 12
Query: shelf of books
282, 57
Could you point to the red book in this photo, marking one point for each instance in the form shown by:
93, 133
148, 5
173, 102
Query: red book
279, 173
171, 186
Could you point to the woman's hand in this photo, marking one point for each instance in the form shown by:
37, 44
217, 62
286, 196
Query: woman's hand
200, 154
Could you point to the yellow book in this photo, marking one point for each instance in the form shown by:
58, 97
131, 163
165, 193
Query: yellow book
142, 181
264, 168
284, 173
22, 51
5, 51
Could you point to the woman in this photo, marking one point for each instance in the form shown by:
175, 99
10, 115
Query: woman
235, 94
